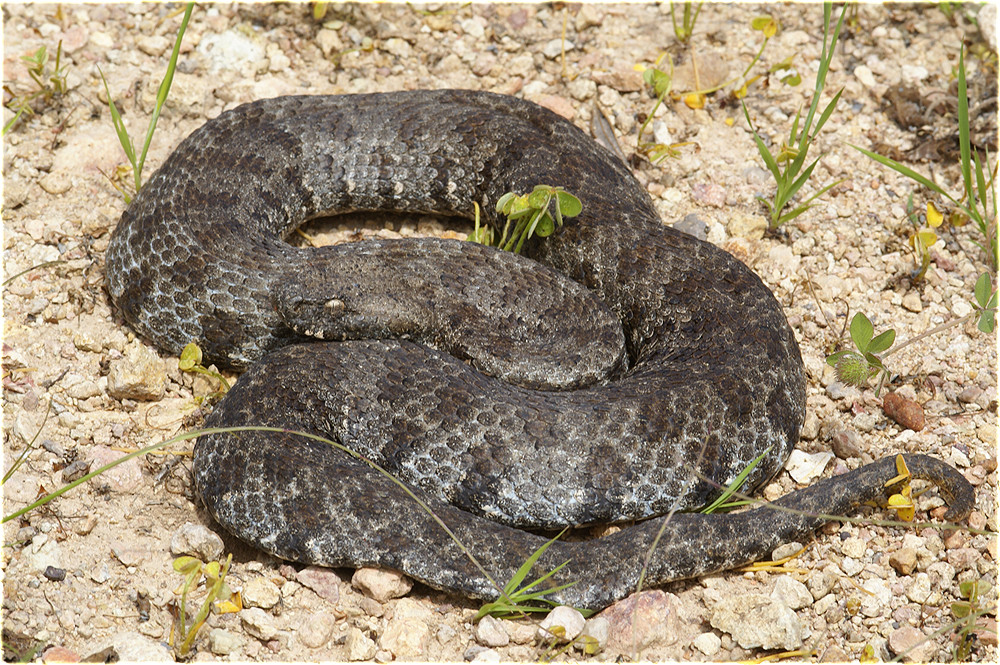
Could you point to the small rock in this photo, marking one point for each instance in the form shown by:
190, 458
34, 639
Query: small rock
490, 632
865, 76
558, 105
58, 654
132, 648
622, 77
911, 301
43, 553
846, 444
746, 226
138, 375
358, 646
792, 593
920, 590
398, 47
853, 547
642, 620
486, 656
597, 630
757, 621
406, 638
906, 412
589, 16
876, 598
317, 629
714, 194
54, 574
693, 225
381, 585
821, 583
708, 643
222, 642
75, 470
563, 623
329, 42
806, 467
904, 560
786, 550
325, 582
55, 183
258, 623
260, 592
912, 645
838, 391
970, 395
554, 48
196, 540
446, 634
153, 45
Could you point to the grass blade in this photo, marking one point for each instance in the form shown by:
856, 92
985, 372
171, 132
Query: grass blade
908, 172
963, 129
827, 112
161, 95
765, 154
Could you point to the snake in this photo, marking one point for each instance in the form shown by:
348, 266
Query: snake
439, 407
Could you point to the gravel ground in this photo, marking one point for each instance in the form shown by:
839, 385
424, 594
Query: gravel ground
92, 570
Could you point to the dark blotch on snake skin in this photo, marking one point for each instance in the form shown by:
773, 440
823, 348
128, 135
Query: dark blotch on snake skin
710, 375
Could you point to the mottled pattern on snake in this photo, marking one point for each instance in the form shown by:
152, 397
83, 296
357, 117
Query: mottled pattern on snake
710, 377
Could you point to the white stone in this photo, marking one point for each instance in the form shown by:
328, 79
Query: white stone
806, 467
708, 643
568, 619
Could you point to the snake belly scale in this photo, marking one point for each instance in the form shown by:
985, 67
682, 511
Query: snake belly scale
396, 349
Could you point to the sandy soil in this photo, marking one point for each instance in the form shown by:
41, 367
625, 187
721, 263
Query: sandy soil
92, 569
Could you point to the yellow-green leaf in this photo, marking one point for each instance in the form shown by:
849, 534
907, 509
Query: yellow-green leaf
190, 356
934, 216
694, 100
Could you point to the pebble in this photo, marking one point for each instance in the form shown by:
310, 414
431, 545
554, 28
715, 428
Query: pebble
260, 592
154, 45
222, 642
821, 583
490, 632
323, 581
877, 596
903, 560
693, 225
486, 656
758, 621
792, 593
563, 623
54, 574
597, 629
865, 76
906, 412
920, 589
621, 77
55, 183
329, 42
846, 444
644, 619
406, 638
381, 585
554, 48
912, 645
358, 645
714, 194
911, 301
139, 375
317, 629
58, 654
805, 467
838, 391
133, 647
44, 552
196, 540
708, 643
785, 550
258, 623
853, 547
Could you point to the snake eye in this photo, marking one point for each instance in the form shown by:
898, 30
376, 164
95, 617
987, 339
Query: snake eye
335, 306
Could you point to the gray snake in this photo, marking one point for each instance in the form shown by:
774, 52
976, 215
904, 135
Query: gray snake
681, 373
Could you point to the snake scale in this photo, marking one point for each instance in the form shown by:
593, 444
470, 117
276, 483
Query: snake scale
666, 365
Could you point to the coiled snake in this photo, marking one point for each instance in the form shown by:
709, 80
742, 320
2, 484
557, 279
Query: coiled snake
681, 373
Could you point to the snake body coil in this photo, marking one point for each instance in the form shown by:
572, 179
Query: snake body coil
682, 373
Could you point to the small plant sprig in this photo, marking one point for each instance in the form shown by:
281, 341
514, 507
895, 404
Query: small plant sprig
214, 574
531, 214
978, 200
190, 361
967, 613
684, 31
516, 599
137, 161
858, 367
50, 82
793, 153
661, 83
923, 237
723, 501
